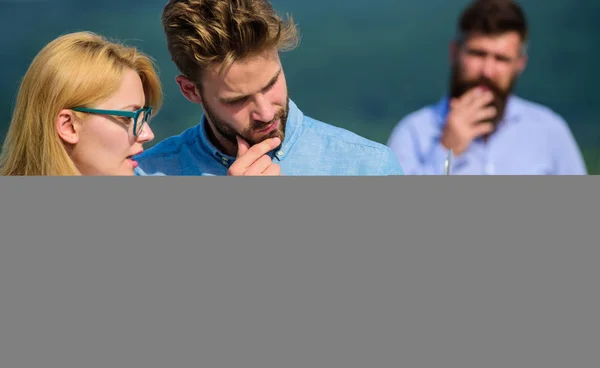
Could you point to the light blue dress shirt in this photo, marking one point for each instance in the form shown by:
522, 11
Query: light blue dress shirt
310, 147
530, 140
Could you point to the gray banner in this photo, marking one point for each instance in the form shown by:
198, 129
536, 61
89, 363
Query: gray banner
299, 272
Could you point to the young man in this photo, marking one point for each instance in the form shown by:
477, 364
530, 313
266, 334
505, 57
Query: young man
227, 52
490, 130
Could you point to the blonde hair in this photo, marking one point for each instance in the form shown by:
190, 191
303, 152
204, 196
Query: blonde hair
77, 69
201, 33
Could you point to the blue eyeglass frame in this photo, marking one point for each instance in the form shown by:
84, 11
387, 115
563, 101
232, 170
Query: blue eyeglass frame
127, 114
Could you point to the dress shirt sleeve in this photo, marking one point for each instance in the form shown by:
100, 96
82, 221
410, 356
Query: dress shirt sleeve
567, 157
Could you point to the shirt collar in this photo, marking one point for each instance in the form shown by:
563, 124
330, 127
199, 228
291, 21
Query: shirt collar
292, 132
511, 113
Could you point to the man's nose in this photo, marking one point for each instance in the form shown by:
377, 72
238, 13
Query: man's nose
489, 67
263, 110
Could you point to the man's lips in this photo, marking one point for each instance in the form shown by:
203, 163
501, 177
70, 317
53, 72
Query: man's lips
269, 127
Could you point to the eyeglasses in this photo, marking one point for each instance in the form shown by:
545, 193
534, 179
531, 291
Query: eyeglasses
139, 117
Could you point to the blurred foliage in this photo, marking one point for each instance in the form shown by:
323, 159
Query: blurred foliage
360, 65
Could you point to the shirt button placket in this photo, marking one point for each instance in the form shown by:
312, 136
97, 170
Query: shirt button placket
488, 167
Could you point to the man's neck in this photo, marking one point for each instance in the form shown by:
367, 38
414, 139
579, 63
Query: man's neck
221, 143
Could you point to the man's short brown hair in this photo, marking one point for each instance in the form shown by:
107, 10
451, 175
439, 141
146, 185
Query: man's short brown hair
201, 33
493, 17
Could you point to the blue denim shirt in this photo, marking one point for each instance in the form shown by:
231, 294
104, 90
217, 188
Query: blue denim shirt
530, 140
310, 147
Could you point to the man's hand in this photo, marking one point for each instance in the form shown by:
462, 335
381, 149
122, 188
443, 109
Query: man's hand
464, 121
254, 161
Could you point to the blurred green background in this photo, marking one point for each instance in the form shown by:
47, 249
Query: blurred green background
361, 65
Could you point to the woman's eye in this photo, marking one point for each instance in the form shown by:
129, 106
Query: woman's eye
126, 120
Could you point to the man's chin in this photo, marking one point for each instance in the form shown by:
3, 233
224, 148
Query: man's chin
259, 137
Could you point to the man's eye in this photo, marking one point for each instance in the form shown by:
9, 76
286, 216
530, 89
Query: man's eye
239, 101
477, 53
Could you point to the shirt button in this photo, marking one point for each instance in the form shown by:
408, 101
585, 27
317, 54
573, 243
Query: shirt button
279, 154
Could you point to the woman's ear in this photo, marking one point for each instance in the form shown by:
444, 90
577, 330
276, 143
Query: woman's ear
67, 126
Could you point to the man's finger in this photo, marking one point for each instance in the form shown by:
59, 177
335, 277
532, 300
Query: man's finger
243, 146
482, 99
259, 166
272, 170
470, 96
265, 146
481, 129
484, 114
255, 152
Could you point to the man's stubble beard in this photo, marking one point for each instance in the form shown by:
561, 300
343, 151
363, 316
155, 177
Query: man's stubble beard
229, 134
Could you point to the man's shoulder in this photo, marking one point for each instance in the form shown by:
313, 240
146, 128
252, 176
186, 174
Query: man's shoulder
171, 146
425, 120
428, 113
345, 149
341, 136
536, 110
175, 155
541, 117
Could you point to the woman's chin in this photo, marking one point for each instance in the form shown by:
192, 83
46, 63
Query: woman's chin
123, 172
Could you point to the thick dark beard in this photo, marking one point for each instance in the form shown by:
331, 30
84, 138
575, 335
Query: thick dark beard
229, 134
459, 86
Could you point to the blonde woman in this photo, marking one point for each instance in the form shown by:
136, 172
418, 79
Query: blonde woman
82, 109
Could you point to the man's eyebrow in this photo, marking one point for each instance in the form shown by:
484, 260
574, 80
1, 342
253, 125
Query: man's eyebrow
269, 85
273, 80
475, 50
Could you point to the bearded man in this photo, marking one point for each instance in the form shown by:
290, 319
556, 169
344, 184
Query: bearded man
490, 130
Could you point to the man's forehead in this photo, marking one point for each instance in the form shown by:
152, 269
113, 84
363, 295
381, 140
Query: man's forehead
242, 74
505, 43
